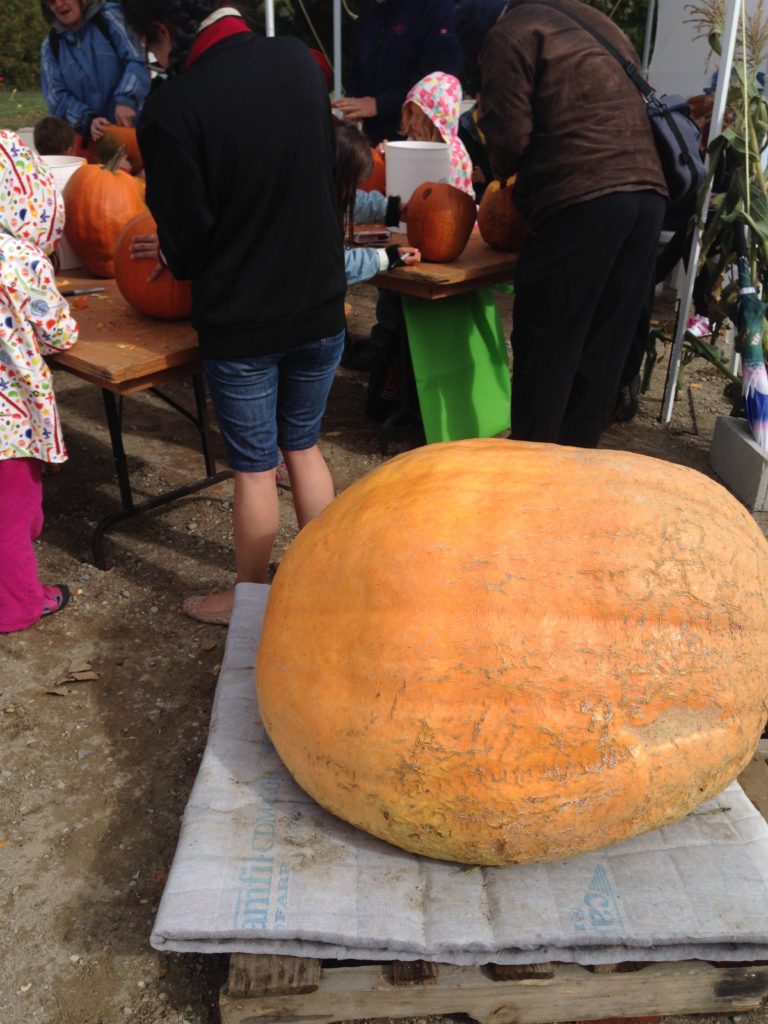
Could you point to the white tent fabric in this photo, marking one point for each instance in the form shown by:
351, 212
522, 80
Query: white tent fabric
680, 63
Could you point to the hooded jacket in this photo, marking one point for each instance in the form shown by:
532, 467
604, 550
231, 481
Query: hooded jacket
34, 318
439, 95
560, 112
97, 66
242, 188
398, 41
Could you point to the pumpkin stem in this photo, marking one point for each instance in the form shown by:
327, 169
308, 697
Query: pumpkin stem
113, 164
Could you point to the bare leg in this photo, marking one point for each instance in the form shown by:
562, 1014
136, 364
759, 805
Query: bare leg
255, 519
311, 483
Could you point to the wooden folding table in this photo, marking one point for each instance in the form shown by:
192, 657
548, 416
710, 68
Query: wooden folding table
123, 353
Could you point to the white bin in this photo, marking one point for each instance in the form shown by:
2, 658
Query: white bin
63, 168
27, 136
409, 164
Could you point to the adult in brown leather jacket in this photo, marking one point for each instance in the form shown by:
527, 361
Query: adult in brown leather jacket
559, 111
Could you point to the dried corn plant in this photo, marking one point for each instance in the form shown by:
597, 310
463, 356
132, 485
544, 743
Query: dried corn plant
736, 160
708, 19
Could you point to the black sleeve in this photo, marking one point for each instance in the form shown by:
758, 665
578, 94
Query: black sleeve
175, 188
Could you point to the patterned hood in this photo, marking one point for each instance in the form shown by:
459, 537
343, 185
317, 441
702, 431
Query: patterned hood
31, 207
439, 96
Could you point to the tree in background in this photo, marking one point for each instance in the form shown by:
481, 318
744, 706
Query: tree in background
22, 30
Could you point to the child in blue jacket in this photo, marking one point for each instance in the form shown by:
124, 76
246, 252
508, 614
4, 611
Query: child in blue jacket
93, 70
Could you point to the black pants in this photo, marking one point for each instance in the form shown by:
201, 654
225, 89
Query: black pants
581, 288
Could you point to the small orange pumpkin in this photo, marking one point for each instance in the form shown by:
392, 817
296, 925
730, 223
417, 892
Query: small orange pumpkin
165, 297
376, 180
99, 201
499, 221
116, 136
440, 221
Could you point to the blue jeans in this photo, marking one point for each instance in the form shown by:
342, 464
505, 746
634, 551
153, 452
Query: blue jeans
272, 401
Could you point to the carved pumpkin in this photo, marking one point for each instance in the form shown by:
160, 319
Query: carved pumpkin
499, 221
491, 651
99, 201
165, 297
440, 221
376, 180
116, 136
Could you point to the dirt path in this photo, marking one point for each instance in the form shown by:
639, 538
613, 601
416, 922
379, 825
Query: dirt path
95, 773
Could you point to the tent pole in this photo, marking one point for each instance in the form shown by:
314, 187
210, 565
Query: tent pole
730, 32
269, 17
648, 36
337, 49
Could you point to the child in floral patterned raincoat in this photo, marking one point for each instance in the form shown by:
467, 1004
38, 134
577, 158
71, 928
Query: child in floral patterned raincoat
34, 319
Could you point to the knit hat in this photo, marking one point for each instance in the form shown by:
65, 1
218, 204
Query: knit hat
474, 19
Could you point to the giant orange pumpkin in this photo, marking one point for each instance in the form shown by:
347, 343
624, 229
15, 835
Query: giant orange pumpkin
499, 221
440, 221
490, 651
376, 180
165, 297
99, 201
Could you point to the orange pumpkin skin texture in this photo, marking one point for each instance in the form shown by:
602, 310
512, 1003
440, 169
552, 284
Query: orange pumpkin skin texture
165, 297
116, 136
99, 201
440, 221
376, 180
499, 221
493, 652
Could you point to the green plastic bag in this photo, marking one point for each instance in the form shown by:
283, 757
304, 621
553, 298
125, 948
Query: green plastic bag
461, 365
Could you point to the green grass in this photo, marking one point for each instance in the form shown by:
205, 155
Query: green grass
20, 108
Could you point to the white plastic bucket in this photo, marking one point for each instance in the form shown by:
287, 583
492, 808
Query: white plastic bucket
409, 164
63, 167
27, 136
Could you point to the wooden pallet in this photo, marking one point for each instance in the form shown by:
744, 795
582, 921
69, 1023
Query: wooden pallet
263, 989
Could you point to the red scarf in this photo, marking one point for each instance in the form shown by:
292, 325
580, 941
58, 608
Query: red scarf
221, 29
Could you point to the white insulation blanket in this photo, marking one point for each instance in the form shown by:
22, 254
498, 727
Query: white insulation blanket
261, 868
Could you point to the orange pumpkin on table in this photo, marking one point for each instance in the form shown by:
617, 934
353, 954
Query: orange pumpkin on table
440, 221
376, 180
165, 297
99, 201
116, 136
499, 221
491, 651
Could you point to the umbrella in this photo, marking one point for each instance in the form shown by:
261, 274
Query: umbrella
750, 325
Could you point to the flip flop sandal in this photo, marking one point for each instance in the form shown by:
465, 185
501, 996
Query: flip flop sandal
55, 601
192, 607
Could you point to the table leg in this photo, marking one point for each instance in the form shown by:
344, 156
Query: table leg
113, 405
203, 424
114, 409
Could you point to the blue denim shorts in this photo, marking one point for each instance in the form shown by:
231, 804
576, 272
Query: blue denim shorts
272, 401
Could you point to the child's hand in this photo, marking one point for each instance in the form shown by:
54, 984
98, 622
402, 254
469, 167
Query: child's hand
98, 126
409, 255
147, 247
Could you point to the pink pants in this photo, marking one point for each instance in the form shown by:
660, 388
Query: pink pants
21, 520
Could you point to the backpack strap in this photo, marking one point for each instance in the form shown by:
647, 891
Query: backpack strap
98, 21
